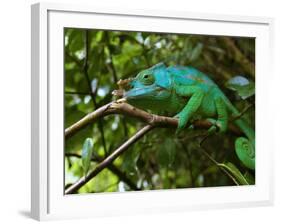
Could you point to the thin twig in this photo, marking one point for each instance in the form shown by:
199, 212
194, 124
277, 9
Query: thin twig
75, 60
122, 176
77, 93
82, 181
213, 160
235, 117
114, 73
112, 68
218, 165
85, 70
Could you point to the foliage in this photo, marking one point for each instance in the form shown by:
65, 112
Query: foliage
242, 86
95, 60
87, 152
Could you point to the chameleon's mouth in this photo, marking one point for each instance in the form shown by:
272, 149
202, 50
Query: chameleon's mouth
143, 92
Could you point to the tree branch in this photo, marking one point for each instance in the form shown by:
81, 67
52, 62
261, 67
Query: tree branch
82, 181
120, 107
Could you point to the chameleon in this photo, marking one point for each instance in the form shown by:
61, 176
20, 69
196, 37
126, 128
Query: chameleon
189, 94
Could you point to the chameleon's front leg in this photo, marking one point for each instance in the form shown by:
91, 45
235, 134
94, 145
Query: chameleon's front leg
192, 105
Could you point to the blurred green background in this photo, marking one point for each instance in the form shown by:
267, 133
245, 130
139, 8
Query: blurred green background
95, 60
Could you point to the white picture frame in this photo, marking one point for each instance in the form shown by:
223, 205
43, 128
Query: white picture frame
48, 200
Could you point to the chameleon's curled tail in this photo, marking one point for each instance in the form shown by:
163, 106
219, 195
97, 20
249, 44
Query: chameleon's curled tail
244, 147
245, 152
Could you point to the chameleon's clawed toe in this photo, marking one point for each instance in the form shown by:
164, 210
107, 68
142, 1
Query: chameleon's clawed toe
217, 126
213, 129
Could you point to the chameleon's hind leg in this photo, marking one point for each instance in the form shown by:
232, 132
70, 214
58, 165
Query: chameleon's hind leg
244, 148
222, 119
245, 151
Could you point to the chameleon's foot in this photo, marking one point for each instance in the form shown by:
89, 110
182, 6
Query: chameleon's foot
189, 128
182, 121
217, 126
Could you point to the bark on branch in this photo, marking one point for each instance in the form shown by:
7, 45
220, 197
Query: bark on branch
120, 107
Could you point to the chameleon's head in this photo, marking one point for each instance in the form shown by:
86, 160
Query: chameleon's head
149, 86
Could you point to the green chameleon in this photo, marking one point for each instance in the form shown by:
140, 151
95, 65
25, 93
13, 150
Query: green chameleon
190, 94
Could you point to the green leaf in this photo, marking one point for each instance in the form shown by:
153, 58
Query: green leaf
244, 87
76, 40
87, 152
234, 173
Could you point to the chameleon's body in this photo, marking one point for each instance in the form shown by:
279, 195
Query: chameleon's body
189, 94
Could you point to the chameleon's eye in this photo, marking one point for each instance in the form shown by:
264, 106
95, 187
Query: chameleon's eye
147, 79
